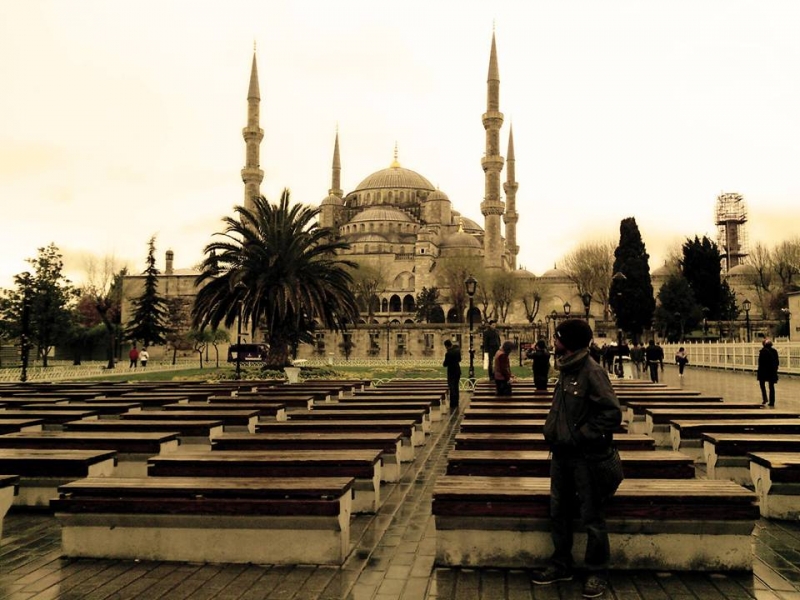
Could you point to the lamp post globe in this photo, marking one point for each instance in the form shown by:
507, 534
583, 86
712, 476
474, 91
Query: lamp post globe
746, 305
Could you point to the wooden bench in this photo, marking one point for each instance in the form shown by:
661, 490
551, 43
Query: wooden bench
275, 410
217, 520
687, 435
13, 425
657, 420
364, 466
503, 522
103, 409
506, 413
726, 454
389, 444
438, 399
232, 420
420, 416
9, 487
536, 441
776, 476
133, 448
407, 429
303, 402
51, 419
41, 471
503, 426
195, 435
637, 464
633, 412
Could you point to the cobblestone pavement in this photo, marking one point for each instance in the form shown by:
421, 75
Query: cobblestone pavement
393, 556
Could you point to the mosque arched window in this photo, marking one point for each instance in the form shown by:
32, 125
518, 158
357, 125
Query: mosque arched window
408, 303
384, 305
394, 303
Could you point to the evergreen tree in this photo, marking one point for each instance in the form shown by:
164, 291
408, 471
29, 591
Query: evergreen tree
149, 309
702, 268
678, 310
631, 291
426, 304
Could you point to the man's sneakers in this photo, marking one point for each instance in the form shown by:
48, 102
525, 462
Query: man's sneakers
594, 587
550, 574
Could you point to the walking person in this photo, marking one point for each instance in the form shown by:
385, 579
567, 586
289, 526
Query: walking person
767, 373
452, 360
540, 356
133, 355
144, 356
502, 369
491, 344
637, 358
681, 360
654, 356
579, 430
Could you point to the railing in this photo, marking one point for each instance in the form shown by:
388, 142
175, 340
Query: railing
736, 356
60, 370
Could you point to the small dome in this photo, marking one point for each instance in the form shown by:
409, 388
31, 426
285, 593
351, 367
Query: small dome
742, 270
381, 213
524, 274
469, 225
370, 238
332, 200
555, 273
663, 271
438, 195
461, 240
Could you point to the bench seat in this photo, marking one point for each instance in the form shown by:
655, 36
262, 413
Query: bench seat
686, 435
302, 402
41, 471
12, 425
265, 409
9, 487
51, 419
192, 433
503, 522
232, 420
637, 464
503, 426
412, 436
362, 465
133, 448
633, 412
657, 420
421, 416
776, 476
536, 441
390, 445
218, 520
726, 454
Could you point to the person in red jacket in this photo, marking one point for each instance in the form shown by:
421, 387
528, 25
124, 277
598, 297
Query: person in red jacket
134, 356
502, 369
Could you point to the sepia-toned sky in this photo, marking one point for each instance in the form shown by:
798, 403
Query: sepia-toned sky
120, 120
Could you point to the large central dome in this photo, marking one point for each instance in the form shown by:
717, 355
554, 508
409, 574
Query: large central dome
395, 177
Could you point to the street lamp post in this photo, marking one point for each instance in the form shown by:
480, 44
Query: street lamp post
388, 340
471, 284
567, 308
239, 287
787, 314
746, 305
538, 329
705, 322
619, 277
586, 298
25, 344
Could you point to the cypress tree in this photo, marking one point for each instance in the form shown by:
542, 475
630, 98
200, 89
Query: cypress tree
631, 292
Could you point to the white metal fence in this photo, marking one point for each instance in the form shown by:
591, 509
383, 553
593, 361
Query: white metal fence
737, 356
59, 370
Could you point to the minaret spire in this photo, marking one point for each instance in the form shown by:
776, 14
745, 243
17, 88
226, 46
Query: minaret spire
252, 175
510, 187
336, 171
492, 163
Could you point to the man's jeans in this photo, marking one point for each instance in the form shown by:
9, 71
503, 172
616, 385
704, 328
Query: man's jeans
570, 477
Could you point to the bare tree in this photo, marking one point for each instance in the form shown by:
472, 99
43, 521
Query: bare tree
453, 273
530, 292
786, 261
590, 267
503, 289
762, 277
369, 281
104, 288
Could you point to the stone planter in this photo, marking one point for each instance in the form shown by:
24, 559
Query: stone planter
292, 374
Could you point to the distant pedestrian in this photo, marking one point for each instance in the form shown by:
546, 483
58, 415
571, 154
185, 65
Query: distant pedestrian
637, 358
682, 360
491, 344
767, 373
541, 364
144, 356
452, 360
502, 369
654, 355
134, 356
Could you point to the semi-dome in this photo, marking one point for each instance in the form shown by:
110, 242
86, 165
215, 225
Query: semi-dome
381, 213
370, 238
395, 177
437, 195
469, 225
663, 271
555, 273
740, 270
461, 239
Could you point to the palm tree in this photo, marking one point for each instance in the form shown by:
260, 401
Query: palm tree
279, 268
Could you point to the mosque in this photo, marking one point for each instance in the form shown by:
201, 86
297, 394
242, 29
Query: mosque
404, 228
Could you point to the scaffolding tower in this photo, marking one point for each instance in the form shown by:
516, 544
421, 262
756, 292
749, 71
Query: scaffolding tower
731, 216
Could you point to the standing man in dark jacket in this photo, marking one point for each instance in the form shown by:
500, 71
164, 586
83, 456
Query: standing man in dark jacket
579, 429
541, 364
767, 373
491, 344
654, 357
452, 360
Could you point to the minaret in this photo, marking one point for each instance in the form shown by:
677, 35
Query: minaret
252, 175
336, 171
512, 216
492, 162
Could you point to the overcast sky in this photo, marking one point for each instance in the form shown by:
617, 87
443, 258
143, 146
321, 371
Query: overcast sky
120, 120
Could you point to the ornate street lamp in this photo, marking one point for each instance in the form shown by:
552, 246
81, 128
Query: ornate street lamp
239, 288
567, 308
746, 305
787, 314
705, 321
586, 298
471, 285
619, 277
25, 335
538, 329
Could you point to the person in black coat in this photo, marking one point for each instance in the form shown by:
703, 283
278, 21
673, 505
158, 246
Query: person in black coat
767, 371
491, 344
452, 360
541, 364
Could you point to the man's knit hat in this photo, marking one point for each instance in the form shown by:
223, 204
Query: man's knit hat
574, 334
